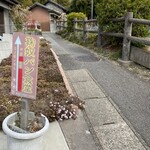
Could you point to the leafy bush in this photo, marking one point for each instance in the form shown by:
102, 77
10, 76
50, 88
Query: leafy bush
107, 9
34, 32
81, 6
70, 18
63, 33
19, 16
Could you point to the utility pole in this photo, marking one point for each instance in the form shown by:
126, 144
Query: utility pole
91, 9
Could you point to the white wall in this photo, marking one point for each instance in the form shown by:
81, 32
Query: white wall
5, 46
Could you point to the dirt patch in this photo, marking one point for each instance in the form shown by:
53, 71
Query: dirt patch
52, 99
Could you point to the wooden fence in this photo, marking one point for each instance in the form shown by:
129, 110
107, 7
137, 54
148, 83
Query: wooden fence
61, 24
127, 35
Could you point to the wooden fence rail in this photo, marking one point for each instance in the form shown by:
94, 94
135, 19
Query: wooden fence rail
61, 24
127, 35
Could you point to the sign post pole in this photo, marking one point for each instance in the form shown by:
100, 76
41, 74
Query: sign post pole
24, 113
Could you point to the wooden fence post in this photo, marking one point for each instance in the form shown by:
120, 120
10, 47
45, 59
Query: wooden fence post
75, 25
84, 29
99, 38
65, 24
56, 25
62, 23
59, 24
126, 41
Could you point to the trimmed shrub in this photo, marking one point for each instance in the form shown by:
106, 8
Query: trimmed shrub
107, 9
70, 19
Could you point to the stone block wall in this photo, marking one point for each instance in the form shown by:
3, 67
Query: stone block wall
140, 56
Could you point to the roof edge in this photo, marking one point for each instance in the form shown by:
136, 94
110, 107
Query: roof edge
38, 4
12, 2
60, 6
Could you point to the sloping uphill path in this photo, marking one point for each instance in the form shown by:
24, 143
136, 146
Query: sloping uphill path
129, 93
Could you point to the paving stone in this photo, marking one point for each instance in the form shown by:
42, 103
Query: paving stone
78, 75
53, 139
101, 111
118, 137
78, 135
3, 141
88, 90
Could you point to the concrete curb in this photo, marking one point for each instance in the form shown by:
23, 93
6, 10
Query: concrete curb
62, 73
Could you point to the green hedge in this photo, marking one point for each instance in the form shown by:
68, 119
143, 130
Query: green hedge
70, 18
107, 9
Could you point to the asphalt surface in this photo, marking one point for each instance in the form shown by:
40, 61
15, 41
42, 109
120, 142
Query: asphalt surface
129, 93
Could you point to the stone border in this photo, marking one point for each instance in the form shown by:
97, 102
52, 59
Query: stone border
62, 73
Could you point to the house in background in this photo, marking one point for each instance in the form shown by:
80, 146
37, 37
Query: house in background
47, 14
6, 25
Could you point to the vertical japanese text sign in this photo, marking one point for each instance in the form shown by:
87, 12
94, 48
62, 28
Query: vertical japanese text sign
24, 65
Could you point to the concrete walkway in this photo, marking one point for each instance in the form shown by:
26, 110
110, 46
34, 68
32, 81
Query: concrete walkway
103, 122
53, 140
100, 126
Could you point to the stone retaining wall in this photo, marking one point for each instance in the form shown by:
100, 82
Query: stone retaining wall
140, 56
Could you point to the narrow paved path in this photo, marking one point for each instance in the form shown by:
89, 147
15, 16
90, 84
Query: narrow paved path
130, 94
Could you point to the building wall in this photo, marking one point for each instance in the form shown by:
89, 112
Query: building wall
6, 25
42, 16
3, 5
7, 21
2, 30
